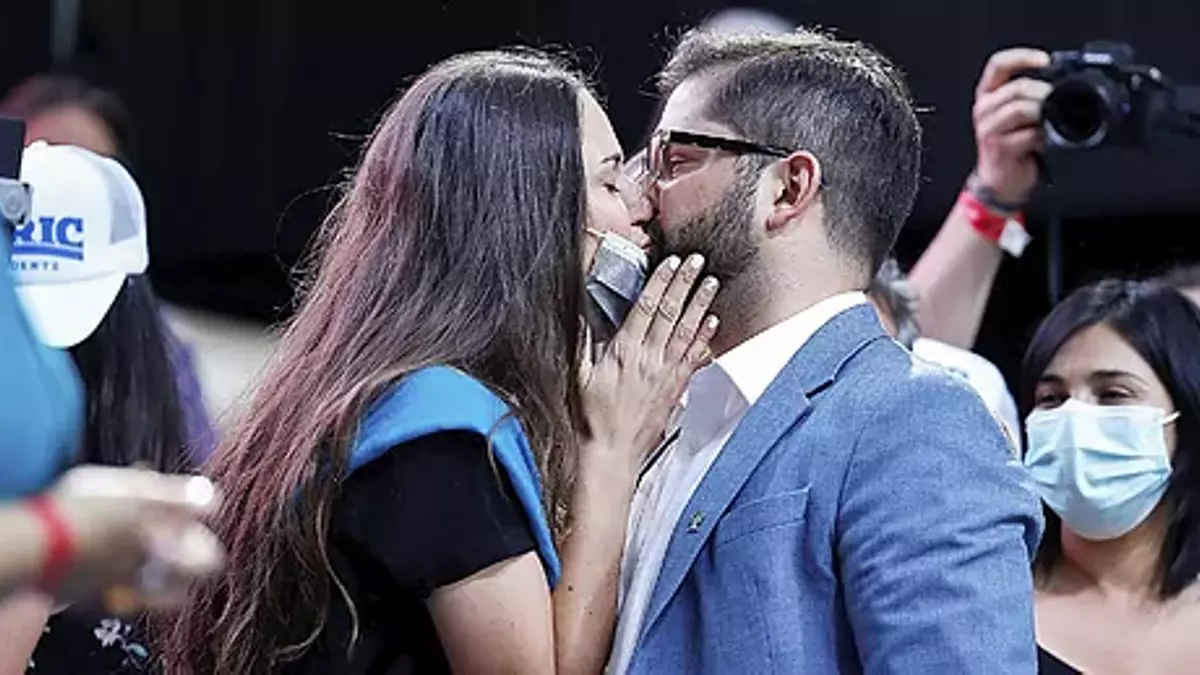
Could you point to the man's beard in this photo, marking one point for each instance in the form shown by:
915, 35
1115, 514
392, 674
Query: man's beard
723, 235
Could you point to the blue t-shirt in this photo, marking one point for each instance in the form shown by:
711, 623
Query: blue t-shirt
41, 401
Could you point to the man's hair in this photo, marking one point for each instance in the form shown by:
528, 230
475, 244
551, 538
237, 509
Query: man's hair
840, 100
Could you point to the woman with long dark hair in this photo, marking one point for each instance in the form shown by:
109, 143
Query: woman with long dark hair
428, 440
1111, 386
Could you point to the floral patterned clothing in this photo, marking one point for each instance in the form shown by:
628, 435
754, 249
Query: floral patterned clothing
82, 640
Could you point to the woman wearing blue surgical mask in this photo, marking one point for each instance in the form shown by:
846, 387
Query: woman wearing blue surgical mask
1111, 389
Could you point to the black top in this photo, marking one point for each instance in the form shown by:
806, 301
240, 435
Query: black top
1049, 664
84, 640
427, 513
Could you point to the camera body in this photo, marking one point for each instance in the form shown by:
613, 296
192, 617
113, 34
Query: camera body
15, 196
1100, 97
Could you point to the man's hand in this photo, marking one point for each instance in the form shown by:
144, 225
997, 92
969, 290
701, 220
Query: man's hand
1007, 117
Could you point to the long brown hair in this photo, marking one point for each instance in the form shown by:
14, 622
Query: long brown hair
457, 242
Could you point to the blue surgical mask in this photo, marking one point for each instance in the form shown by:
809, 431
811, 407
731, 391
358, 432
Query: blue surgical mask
1102, 469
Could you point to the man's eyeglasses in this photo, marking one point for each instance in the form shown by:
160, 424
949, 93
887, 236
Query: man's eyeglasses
658, 166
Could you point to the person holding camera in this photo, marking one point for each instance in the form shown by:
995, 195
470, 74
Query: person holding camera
955, 274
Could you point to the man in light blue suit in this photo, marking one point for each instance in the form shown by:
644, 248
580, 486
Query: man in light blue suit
828, 504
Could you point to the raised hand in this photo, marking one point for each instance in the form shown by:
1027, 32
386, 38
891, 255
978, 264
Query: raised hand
632, 388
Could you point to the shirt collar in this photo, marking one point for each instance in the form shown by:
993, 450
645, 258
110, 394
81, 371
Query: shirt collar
755, 363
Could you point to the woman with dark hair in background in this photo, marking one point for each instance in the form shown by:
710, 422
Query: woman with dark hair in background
1111, 386
99, 306
69, 110
373, 524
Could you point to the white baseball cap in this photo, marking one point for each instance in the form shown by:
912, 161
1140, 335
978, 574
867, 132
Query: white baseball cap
86, 233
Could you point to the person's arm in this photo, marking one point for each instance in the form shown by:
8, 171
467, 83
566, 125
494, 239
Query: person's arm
445, 522
585, 600
955, 274
104, 523
937, 531
498, 620
628, 395
24, 548
954, 279
503, 618
22, 618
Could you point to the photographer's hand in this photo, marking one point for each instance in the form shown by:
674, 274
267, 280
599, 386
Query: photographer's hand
1007, 119
955, 274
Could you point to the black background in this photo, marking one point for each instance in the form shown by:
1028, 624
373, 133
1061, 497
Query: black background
244, 110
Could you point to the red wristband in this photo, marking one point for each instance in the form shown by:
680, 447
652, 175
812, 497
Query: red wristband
988, 223
60, 543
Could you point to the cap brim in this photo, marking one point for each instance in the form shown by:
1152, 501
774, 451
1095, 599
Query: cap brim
66, 314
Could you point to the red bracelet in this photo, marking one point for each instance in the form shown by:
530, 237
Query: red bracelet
60, 543
988, 223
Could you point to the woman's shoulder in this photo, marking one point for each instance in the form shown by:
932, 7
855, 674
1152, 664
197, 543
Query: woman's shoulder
433, 510
440, 399
428, 401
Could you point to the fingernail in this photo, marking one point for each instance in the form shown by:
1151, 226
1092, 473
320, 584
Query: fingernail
696, 261
710, 284
673, 263
713, 321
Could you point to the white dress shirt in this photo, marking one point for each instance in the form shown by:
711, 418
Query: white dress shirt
717, 398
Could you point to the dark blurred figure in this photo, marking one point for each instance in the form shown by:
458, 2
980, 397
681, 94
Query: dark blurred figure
68, 110
65, 109
1111, 387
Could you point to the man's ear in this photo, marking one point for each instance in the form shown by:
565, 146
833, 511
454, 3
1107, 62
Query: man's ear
798, 186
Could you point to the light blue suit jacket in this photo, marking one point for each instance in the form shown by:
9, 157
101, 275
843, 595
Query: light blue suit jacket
866, 516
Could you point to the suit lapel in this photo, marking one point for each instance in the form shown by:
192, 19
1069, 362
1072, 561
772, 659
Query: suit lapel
782, 405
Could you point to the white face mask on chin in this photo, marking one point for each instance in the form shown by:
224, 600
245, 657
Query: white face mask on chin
1102, 469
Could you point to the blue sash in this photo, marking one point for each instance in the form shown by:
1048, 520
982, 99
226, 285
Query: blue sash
440, 398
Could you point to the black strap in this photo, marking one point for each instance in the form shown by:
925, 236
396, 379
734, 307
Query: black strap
658, 452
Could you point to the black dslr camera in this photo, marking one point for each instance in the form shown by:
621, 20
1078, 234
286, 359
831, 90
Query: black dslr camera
1101, 97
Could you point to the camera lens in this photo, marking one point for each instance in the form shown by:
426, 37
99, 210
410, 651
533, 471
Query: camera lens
1080, 112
